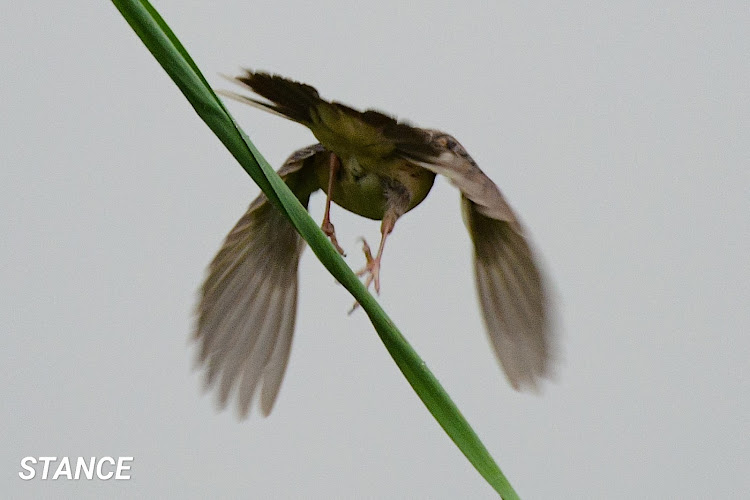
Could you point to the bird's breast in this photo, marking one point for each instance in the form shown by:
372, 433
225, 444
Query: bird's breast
364, 190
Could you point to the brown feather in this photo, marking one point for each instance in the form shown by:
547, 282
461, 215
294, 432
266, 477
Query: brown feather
249, 299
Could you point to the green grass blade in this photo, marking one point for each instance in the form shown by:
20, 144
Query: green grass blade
169, 52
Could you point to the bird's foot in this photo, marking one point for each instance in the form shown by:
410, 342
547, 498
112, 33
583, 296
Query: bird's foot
329, 231
371, 270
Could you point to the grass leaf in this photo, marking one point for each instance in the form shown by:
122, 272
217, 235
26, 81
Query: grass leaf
174, 58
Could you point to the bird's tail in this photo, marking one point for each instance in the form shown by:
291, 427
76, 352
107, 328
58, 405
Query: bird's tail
289, 99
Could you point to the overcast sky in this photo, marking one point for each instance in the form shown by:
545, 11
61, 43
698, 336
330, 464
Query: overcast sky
620, 135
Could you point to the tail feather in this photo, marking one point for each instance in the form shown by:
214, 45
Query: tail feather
339, 127
294, 100
265, 106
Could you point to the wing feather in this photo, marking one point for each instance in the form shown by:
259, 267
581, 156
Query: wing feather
512, 292
246, 313
273, 373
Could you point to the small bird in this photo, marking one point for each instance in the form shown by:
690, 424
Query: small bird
377, 167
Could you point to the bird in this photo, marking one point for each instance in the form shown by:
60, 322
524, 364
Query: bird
380, 168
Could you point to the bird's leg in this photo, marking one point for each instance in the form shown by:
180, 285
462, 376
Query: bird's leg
326, 226
372, 267
397, 203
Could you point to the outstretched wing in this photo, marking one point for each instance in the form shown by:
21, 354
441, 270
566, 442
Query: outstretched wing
248, 302
511, 288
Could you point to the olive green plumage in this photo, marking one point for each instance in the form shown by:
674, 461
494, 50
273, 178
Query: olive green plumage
380, 168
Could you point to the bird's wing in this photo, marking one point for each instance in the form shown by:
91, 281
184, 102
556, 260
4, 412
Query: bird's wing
510, 285
248, 302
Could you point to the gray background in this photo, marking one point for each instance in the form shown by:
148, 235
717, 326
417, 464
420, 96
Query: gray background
620, 134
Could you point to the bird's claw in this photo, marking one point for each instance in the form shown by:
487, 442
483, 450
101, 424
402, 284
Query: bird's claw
329, 231
371, 270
